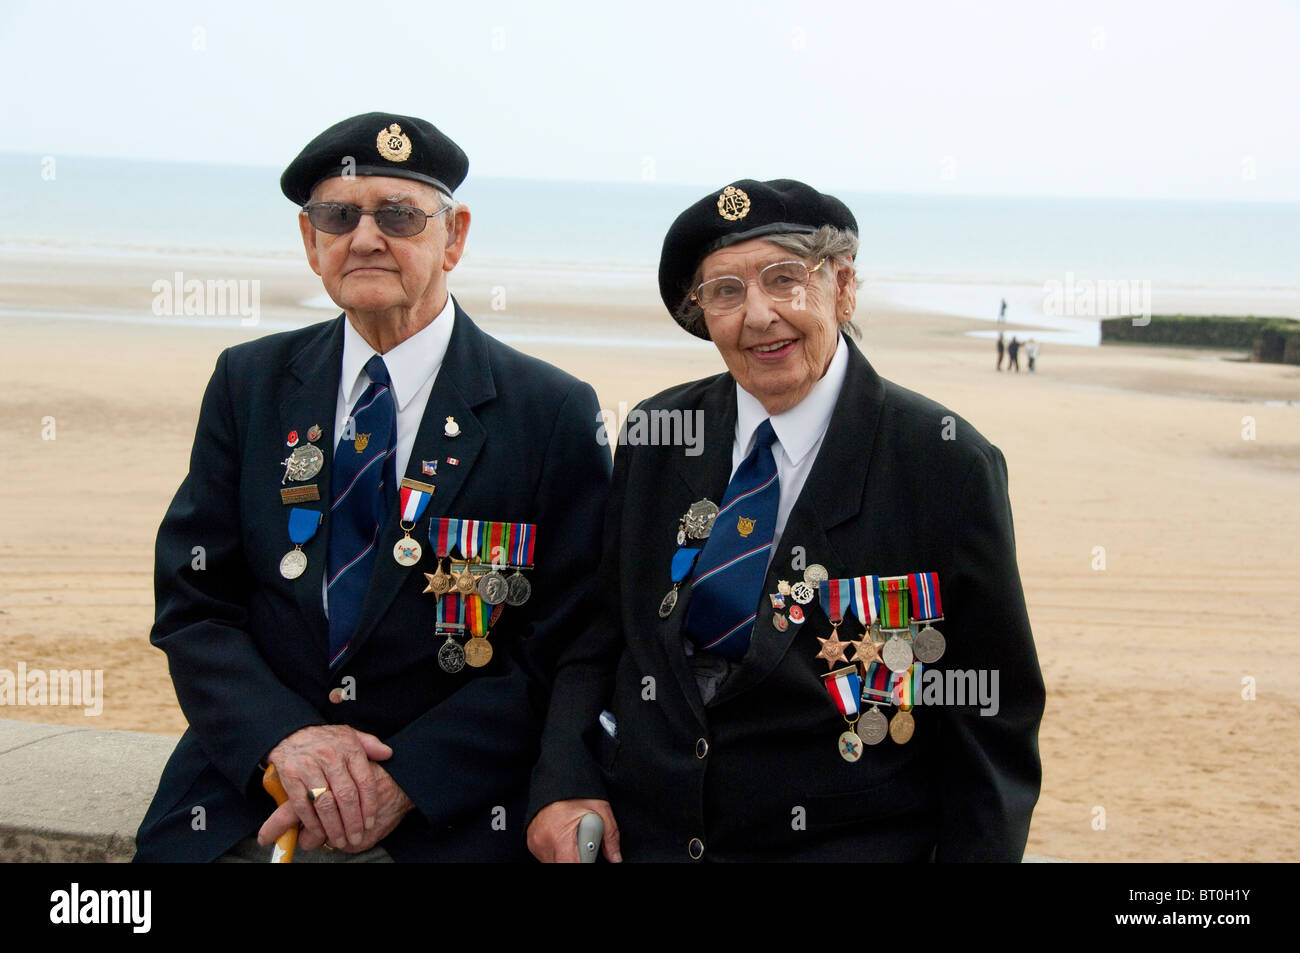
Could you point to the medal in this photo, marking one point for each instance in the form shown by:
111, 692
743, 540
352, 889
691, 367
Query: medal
303, 524
834, 598
465, 583
451, 657
698, 521
929, 644
897, 654
478, 651
901, 727
843, 686
832, 650
682, 565
815, 574
303, 464
450, 619
873, 726
443, 533
493, 588
518, 589
414, 497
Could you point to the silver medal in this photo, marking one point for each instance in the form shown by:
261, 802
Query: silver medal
518, 589
699, 519
493, 588
815, 574
897, 654
303, 464
873, 726
293, 564
451, 657
929, 645
669, 603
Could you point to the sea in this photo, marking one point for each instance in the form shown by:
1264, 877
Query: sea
1051, 259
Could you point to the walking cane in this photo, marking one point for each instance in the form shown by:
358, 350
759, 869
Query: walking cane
282, 853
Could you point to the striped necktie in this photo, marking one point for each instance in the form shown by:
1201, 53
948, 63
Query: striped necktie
362, 481
730, 573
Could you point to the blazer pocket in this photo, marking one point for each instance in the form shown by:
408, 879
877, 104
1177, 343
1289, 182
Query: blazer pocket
894, 797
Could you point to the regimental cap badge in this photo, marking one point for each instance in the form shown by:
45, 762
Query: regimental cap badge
733, 204
394, 145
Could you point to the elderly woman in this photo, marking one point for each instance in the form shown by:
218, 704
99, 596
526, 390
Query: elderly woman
761, 679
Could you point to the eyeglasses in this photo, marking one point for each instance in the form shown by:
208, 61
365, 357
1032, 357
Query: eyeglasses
395, 221
780, 281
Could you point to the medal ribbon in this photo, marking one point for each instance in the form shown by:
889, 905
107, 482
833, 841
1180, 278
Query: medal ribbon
498, 550
443, 532
864, 598
303, 524
479, 615
835, 595
877, 686
844, 687
893, 602
413, 503
525, 537
451, 612
906, 691
926, 604
470, 537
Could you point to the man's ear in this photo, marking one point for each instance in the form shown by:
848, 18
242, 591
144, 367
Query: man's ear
309, 241
456, 246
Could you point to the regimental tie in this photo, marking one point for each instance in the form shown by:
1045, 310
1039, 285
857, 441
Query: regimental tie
733, 565
364, 485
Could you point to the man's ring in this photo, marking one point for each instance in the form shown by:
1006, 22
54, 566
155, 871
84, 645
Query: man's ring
314, 793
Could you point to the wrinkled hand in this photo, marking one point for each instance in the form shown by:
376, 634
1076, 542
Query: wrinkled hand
553, 834
337, 757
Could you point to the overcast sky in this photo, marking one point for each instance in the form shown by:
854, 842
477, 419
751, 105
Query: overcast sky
1135, 98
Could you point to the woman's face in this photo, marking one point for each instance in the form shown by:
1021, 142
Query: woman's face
777, 350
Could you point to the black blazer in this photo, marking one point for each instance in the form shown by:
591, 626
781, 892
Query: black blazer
756, 774
248, 649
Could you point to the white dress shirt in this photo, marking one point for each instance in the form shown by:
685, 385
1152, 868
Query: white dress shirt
799, 433
412, 366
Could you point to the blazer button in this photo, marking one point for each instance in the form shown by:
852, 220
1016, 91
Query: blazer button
701, 749
695, 848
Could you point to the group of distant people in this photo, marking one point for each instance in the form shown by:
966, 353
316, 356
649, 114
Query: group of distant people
1011, 352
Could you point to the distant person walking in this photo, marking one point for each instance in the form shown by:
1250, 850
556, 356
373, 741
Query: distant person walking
1013, 352
1031, 352
1002, 314
1002, 350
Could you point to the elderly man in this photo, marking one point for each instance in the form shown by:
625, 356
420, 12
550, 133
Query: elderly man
301, 594
756, 683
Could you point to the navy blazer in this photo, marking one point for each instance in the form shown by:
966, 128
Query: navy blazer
899, 485
248, 649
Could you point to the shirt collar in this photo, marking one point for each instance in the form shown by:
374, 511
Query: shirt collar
410, 364
802, 426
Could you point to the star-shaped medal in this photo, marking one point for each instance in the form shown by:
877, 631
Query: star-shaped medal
832, 650
865, 650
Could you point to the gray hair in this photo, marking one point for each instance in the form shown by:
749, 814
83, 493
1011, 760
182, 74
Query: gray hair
838, 246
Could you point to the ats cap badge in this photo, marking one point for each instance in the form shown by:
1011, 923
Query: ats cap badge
733, 204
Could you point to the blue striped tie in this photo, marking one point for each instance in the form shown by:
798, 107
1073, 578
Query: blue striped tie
729, 576
362, 481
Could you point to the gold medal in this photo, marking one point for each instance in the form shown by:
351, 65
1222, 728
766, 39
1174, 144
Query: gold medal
901, 727
478, 651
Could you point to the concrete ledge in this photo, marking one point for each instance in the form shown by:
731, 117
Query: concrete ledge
78, 794
75, 794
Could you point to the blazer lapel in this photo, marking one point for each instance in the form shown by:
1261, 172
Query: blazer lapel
834, 492
464, 381
310, 399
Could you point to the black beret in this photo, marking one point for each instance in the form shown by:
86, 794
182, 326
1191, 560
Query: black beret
377, 144
741, 211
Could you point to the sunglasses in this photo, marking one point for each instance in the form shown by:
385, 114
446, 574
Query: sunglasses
395, 221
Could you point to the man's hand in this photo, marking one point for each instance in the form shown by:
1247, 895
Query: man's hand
341, 759
553, 834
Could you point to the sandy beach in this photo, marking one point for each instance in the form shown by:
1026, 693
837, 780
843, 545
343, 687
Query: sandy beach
1157, 543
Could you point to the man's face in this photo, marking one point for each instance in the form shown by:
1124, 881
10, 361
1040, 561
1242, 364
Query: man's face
777, 350
368, 271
